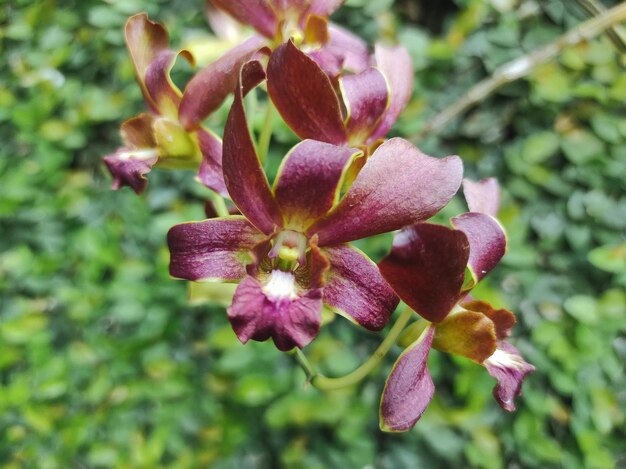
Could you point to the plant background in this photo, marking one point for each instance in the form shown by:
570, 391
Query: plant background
103, 363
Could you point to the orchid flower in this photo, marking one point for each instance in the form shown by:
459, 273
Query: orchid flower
427, 268
275, 21
289, 250
358, 115
157, 137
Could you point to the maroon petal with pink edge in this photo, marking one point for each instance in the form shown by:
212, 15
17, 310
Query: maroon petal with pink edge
128, 167
482, 196
309, 181
210, 171
409, 388
260, 312
209, 87
349, 48
509, 368
487, 241
145, 39
356, 289
212, 250
366, 97
397, 186
244, 177
426, 268
396, 65
257, 13
304, 95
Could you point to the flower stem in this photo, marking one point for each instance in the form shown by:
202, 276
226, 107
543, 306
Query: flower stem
266, 132
328, 384
219, 205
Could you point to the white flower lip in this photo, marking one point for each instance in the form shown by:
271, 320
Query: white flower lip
281, 286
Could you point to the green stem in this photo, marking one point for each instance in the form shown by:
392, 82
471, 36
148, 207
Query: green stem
266, 132
219, 205
328, 384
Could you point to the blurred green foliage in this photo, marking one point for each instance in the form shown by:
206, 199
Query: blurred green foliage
103, 363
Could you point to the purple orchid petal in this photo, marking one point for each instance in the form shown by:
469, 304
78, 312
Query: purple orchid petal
258, 314
509, 368
257, 13
324, 7
212, 250
396, 65
245, 179
487, 242
356, 290
128, 167
482, 196
366, 97
309, 181
209, 87
148, 44
426, 268
503, 319
350, 49
409, 388
304, 95
466, 333
398, 186
210, 172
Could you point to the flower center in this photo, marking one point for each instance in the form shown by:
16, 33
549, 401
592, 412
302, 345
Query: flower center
289, 250
281, 286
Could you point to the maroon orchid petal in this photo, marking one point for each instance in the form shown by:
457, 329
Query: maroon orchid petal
309, 181
409, 387
210, 171
487, 242
257, 13
356, 290
503, 319
482, 196
128, 167
396, 65
349, 48
162, 90
261, 311
466, 333
304, 95
398, 186
509, 368
209, 87
212, 250
426, 268
245, 179
366, 97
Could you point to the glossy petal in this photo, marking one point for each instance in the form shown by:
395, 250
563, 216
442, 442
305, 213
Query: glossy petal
147, 44
466, 333
212, 250
309, 181
426, 268
209, 87
366, 97
482, 196
487, 241
409, 388
395, 63
210, 172
398, 186
510, 369
244, 177
256, 13
356, 290
304, 95
503, 319
128, 167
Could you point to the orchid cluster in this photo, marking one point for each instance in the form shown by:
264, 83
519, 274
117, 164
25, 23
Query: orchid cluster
288, 244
